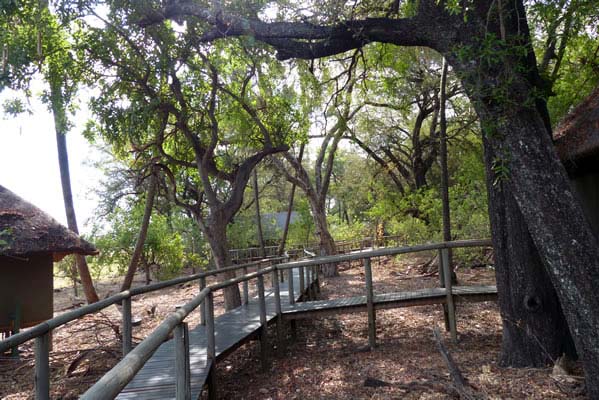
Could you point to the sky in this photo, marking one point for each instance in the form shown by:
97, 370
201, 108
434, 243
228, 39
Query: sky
29, 161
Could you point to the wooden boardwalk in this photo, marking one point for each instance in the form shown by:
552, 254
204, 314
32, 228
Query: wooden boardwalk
156, 380
311, 309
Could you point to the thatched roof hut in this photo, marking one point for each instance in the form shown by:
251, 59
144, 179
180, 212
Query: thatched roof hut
25, 229
30, 240
576, 138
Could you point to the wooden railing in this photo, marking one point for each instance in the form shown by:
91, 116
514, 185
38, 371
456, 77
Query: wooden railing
42, 332
343, 246
118, 377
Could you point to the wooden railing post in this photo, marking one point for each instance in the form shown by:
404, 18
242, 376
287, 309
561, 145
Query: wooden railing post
317, 272
302, 282
211, 344
290, 286
290, 290
449, 291
127, 326
182, 374
279, 311
263, 325
246, 290
442, 283
203, 305
370, 304
42, 367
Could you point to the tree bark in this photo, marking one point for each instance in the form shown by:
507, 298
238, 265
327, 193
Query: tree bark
60, 126
141, 238
217, 239
326, 243
281, 249
535, 332
523, 163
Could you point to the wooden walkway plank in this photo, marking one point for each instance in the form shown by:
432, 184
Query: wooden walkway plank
156, 380
343, 305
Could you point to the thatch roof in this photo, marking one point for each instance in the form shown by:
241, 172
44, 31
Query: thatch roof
25, 229
577, 136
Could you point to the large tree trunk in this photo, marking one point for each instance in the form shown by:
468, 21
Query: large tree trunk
141, 238
535, 331
281, 248
326, 243
217, 239
60, 126
523, 161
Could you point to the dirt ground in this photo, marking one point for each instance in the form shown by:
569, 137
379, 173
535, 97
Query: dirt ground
329, 358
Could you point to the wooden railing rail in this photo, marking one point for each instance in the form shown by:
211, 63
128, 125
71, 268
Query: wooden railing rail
69, 316
118, 377
386, 251
134, 359
121, 374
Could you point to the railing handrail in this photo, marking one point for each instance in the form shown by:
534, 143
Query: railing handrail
65, 318
120, 375
386, 251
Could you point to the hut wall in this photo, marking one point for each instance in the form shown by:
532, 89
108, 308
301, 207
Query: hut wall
28, 283
586, 186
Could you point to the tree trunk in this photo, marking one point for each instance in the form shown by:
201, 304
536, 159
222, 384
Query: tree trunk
523, 163
535, 332
217, 239
326, 243
60, 126
141, 238
258, 216
281, 248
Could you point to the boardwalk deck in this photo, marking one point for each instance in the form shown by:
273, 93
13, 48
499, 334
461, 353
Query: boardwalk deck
311, 309
156, 380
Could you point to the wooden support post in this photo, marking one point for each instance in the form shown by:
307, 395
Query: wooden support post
302, 282
211, 344
309, 282
449, 290
263, 325
370, 304
246, 290
182, 375
292, 323
317, 272
16, 328
203, 305
290, 286
42, 367
442, 283
279, 311
127, 326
